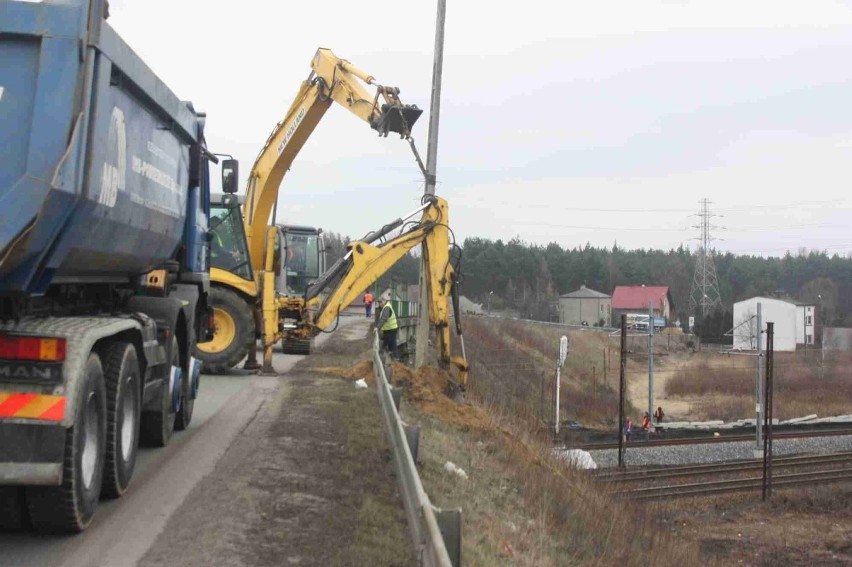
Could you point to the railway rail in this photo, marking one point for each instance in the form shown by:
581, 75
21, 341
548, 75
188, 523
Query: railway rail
720, 439
834, 467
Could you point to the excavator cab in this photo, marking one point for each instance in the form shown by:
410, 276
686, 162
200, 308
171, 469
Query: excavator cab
301, 258
228, 245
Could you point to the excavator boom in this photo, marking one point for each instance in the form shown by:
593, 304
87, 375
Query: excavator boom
331, 80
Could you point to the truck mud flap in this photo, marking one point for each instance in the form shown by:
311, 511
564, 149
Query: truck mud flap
31, 454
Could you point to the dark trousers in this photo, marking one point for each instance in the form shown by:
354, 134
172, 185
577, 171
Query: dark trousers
389, 341
369, 307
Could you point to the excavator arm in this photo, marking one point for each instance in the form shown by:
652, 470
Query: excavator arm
331, 80
365, 262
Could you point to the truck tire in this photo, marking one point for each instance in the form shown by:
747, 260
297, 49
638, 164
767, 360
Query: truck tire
124, 408
234, 335
296, 346
158, 425
187, 402
69, 507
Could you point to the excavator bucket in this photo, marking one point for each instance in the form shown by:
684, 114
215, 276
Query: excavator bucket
399, 119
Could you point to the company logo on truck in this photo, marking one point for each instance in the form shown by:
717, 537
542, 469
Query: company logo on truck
113, 175
45, 373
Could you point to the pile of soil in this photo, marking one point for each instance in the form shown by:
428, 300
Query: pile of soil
426, 389
363, 369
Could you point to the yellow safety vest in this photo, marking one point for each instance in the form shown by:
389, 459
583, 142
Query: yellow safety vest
391, 323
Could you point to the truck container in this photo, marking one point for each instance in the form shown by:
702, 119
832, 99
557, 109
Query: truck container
104, 205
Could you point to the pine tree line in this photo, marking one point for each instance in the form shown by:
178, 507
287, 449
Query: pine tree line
530, 277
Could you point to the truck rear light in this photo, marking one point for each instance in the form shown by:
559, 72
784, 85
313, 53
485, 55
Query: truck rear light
32, 348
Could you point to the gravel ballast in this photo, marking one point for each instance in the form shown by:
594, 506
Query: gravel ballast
718, 452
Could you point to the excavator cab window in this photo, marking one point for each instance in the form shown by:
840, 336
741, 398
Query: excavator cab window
301, 260
228, 246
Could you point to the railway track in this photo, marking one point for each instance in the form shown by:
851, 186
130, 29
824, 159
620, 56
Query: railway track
721, 439
834, 467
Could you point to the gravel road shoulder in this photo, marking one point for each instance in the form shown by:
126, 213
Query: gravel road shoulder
309, 481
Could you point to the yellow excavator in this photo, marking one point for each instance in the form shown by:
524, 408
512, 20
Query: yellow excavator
250, 256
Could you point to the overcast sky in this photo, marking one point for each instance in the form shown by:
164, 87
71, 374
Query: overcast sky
561, 122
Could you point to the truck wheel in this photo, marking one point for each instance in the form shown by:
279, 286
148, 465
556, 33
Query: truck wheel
234, 333
187, 402
69, 507
296, 346
122, 375
158, 425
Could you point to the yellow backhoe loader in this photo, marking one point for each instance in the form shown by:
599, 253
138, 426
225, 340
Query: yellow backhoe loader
248, 252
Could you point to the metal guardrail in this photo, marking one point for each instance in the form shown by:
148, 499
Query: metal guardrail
436, 533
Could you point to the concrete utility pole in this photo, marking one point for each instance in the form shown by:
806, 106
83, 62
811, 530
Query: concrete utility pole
759, 383
767, 414
621, 375
422, 336
651, 362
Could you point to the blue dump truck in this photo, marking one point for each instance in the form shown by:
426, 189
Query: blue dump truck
104, 202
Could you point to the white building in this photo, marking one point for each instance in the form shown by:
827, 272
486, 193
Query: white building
468, 306
805, 324
794, 323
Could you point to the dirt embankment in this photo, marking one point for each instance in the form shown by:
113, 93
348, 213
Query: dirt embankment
425, 388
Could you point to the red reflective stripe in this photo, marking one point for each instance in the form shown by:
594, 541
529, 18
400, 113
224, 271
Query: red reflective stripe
55, 413
15, 403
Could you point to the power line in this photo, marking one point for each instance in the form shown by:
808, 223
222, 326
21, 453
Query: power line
743, 208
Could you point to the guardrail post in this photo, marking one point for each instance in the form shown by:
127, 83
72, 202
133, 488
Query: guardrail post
450, 524
412, 435
396, 394
386, 364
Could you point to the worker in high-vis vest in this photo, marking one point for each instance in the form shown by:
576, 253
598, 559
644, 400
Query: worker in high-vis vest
388, 325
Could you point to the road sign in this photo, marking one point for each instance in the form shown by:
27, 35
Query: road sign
563, 350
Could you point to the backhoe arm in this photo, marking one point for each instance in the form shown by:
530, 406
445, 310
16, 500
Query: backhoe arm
331, 80
365, 263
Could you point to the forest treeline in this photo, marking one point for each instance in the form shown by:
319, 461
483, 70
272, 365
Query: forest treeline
529, 278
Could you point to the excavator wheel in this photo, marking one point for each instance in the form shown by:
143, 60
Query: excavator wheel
296, 346
234, 334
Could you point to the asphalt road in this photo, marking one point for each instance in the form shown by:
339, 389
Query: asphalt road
125, 529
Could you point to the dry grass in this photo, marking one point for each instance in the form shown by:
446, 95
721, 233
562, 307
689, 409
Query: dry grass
522, 507
798, 526
512, 362
727, 385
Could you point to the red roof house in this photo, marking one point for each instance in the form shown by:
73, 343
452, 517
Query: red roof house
635, 299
